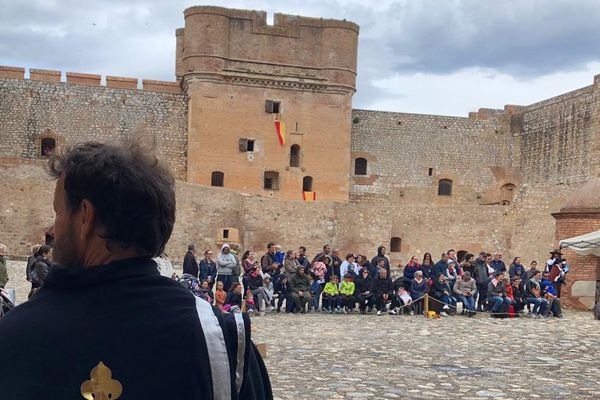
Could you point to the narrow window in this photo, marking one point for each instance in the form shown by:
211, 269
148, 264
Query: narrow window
360, 166
246, 145
272, 107
445, 187
48, 146
271, 180
295, 156
217, 179
395, 245
430, 172
225, 233
307, 184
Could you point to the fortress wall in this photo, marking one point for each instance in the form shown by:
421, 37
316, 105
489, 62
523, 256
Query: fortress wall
559, 142
81, 109
401, 148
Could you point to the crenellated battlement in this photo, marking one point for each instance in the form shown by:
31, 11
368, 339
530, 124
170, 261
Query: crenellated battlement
240, 47
78, 78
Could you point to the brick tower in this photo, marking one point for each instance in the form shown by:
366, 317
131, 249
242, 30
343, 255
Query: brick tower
245, 78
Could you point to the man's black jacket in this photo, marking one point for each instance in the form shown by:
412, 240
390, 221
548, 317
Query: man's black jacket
155, 337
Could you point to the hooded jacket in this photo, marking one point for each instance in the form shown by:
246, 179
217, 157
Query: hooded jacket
226, 263
380, 256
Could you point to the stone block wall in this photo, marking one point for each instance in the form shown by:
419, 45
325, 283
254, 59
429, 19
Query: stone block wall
81, 109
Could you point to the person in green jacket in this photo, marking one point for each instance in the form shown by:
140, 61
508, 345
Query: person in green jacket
3, 270
347, 299
331, 295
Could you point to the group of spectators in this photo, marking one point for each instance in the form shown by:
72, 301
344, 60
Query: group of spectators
331, 284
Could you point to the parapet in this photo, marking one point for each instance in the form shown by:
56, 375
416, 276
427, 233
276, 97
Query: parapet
485, 113
78, 78
239, 46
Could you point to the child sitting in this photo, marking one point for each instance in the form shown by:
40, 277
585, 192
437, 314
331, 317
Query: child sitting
405, 300
250, 304
331, 296
233, 302
282, 291
220, 296
269, 292
205, 293
347, 293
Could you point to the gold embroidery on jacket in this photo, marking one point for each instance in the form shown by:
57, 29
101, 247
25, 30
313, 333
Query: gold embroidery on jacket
101, 386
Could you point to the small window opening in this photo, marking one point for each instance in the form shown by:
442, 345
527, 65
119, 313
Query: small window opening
445, 187
271, 180
246, 145
217, 179
430, 172
395, 245
295, 156
297, 127
360, 166
48, 146
307, 184
225, 233
272, 107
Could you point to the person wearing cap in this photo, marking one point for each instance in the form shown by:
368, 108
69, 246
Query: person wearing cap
555, 257
496, 295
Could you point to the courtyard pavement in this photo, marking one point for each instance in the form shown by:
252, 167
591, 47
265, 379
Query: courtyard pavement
323, 356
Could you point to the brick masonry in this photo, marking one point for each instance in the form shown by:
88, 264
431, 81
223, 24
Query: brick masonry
510, 169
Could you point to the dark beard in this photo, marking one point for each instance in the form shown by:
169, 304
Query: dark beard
65, 252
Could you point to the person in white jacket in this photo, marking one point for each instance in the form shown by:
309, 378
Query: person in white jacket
226, 264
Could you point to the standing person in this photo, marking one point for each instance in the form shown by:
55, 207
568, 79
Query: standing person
465, 289
381, 257
190, 265
555, 256
29, 270
427, 268
452, 272
326, 252
557, 276
268, 263
41, 266
468, 264
300, 285
516, 268
336, 263
291, 263
441, 267
482, 277
114, 211
532, 270
497, 262
410, 268
3, 269
237, 271
208, 269
302, 258
348, 266
226, 264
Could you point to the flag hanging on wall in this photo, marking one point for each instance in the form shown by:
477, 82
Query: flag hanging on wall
280, 129
309, 196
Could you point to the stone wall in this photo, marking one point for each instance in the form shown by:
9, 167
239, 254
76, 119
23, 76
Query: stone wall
81, 109
407, 155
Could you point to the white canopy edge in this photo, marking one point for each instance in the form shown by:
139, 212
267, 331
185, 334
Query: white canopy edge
588, 244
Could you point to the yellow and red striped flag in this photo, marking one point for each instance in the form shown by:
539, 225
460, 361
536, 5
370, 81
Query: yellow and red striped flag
309, 196
280, 129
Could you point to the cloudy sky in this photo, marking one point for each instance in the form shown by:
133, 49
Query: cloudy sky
426, 56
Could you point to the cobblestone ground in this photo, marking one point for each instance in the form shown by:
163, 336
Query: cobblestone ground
322, 356
316, 356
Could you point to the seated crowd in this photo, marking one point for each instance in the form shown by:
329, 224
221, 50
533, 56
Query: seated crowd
291, 282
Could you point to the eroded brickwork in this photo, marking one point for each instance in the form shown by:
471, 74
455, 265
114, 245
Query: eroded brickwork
31, 110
